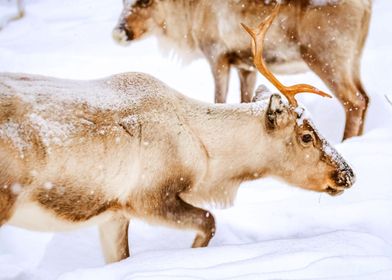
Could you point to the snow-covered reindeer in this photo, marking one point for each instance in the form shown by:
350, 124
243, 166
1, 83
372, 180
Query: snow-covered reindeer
327, 35
79, 153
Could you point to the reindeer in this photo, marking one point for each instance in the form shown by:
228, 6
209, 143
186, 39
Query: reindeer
80, 153
328, 39
20, 13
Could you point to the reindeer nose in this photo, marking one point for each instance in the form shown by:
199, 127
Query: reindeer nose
344, 178
122, 35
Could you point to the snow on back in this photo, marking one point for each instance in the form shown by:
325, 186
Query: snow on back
130, 120
52, 104
10, 131
51, 132
116, 92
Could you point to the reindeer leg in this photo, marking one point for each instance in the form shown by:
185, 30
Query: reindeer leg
357, 65
354, 100
114, 239
220, 68
247, 81
336, 59
339, 78
177, 213
362, 93
21, 8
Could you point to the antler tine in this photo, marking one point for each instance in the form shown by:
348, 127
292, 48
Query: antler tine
258, 36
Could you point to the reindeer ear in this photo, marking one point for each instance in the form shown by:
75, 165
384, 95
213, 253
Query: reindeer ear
262, 92
275, 115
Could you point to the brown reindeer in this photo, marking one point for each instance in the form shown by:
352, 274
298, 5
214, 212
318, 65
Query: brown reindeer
329, 38
80, 153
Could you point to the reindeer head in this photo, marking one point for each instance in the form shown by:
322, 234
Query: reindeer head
305, 158
138, 18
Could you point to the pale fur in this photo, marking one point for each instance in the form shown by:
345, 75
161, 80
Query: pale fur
127, 146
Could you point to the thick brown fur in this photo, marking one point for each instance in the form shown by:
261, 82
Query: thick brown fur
80, 153
328, 38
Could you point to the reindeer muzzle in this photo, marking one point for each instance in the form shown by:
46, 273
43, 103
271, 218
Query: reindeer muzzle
122, 35
343, 179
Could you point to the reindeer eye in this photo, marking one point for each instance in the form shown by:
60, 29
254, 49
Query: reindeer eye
307, 138
144, 3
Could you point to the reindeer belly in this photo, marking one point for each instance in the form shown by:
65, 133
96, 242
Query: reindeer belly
62, 208
281, 53
33, 216
284, 58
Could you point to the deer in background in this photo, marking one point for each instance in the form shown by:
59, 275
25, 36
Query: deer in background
80, 153
327, 39
20, 13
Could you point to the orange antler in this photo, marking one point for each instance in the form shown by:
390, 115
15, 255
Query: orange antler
257, 47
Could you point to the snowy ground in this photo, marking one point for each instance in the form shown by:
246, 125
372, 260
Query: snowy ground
273, 231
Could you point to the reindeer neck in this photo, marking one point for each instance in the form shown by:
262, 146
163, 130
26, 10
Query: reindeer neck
234, 136
181, 34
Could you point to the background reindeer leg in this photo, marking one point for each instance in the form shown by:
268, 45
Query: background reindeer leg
114, 239
336, 61
21, 8
340, 79
363, 33
247, 81
220, 67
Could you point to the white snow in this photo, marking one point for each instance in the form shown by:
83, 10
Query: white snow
51, 132
302, 115
16, 188
10, 131
48, 185
130, 120
273, 231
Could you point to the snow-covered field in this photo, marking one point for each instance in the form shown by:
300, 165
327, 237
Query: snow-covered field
274, 231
